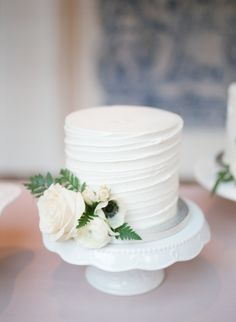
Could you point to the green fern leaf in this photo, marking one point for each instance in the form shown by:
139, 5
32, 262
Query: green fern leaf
223, 175
83, 187
68, 180
126, 233
87, 216
49, 179
38, 184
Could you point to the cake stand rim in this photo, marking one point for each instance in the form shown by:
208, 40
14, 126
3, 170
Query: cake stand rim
154, 255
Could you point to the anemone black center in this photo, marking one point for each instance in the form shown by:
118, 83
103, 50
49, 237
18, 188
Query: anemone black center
111, 209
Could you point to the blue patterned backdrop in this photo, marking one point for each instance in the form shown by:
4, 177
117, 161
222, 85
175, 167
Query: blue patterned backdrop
178, 55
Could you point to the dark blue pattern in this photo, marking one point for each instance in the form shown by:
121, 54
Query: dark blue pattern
178, 55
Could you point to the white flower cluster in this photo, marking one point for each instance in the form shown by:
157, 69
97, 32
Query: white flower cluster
60, 210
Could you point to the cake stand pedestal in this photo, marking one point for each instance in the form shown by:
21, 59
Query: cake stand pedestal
131, 282
136, 267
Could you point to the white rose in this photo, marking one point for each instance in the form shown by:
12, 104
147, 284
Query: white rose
94, 235
59, 210
89, 196
113, 210
103, 193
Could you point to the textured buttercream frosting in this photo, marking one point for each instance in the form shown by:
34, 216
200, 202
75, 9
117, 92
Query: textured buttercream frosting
135, 151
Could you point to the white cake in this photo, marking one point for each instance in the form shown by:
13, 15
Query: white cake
230, 152
135, 151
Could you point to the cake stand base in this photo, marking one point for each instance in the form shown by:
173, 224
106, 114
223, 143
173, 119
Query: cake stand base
127, 283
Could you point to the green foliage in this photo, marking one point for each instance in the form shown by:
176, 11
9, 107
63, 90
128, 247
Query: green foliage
83, 187
126, 233
38, 184
68, 180
223, 175
87, 216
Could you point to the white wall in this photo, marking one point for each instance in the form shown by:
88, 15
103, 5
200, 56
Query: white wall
33, 98
47, 69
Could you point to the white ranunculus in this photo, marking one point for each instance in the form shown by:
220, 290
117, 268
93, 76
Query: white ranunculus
104, 193
89, 196
113, 210
59, 210
94, 235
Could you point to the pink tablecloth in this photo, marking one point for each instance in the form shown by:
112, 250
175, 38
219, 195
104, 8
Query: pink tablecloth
37, 286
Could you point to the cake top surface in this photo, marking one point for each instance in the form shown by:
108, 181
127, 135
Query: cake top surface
131, 119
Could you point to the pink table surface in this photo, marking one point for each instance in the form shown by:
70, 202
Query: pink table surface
37, 286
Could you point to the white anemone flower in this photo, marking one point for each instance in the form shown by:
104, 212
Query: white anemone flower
113, 211
94, 235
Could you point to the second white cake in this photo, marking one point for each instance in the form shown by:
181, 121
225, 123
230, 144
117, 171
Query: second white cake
230, 152
135, 151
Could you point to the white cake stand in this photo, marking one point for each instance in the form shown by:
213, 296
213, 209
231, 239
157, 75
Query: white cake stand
8, 193
137, 267
205, 172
